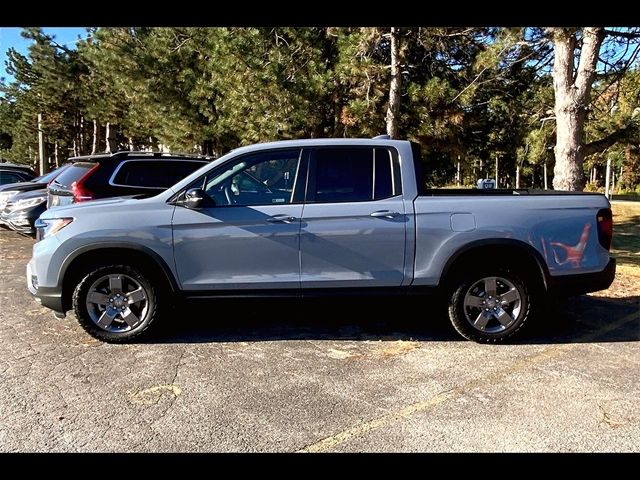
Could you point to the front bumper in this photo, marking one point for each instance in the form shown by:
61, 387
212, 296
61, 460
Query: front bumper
50, 297
568, 285
22, 220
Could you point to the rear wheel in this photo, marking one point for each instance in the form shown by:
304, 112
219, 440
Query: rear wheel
116, 303
490, 307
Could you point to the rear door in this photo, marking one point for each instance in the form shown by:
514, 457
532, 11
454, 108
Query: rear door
353, 223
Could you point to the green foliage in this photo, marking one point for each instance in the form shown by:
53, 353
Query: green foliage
469, 95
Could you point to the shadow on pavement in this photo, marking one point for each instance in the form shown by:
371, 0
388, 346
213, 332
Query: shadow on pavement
386, 319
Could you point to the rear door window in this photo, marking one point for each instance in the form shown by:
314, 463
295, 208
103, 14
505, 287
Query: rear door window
351, 174
153, 173
10, 177
343, 174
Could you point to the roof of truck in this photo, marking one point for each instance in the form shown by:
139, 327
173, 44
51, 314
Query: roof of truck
321, 142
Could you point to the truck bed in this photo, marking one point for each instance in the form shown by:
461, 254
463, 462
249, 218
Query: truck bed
437, 192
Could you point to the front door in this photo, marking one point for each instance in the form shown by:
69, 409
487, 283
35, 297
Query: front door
353, 223
250, 238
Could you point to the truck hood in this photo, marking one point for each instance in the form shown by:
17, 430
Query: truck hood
96, 206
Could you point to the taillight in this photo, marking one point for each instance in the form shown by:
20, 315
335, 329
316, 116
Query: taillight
605, 227
80, 192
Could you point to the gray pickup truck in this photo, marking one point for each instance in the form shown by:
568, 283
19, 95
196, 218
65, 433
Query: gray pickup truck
320, 217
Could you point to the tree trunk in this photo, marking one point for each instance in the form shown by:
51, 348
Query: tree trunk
613, 182
110, 139
393, 110
207, 147
55, 153
82, 142
606, 180
44, 166
96, 138
572, 89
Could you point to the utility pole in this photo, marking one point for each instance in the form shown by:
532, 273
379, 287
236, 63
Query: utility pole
517, 176
43, 162
497, 178
544, 173
613, 182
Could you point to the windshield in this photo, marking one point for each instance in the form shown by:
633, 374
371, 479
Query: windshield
47, 177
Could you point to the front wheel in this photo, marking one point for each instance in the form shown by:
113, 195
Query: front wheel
115, 303
490, 307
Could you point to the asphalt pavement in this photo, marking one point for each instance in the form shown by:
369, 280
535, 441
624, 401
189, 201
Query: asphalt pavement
383, 374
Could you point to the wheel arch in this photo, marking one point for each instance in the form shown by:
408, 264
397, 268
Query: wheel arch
529, 259
89, 256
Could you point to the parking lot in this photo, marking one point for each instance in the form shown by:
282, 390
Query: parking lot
309, 376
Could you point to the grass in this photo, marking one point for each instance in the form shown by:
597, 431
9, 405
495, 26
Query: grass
626, 236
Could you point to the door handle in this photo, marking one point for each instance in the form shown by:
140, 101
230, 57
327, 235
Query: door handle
385, 214
281, 219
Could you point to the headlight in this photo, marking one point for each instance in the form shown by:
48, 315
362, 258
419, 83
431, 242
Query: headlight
50, 226
5, 197
27, 203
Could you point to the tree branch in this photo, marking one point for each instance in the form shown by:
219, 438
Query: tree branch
625, 134
592, 38
628, 35
564, 46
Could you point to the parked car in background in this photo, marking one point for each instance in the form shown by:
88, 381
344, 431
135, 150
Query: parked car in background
321, 217
7, 192
21, 212
120, 174
12, 173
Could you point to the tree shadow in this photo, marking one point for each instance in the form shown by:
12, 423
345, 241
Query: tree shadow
381, 319
626, 237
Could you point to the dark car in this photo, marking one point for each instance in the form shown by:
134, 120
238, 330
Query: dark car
12, 173
22, 203
7, 192
121, 174
21, 212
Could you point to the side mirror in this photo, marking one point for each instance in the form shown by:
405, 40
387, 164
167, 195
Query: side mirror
196, 198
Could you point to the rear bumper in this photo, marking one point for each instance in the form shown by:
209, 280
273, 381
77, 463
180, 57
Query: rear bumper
568, 285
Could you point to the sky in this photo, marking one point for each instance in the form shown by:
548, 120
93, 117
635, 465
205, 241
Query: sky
10, 37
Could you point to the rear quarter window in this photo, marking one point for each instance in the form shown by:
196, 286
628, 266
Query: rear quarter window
153, 173
47, 177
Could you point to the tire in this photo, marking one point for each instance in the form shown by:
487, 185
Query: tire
483, 317
116, 303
